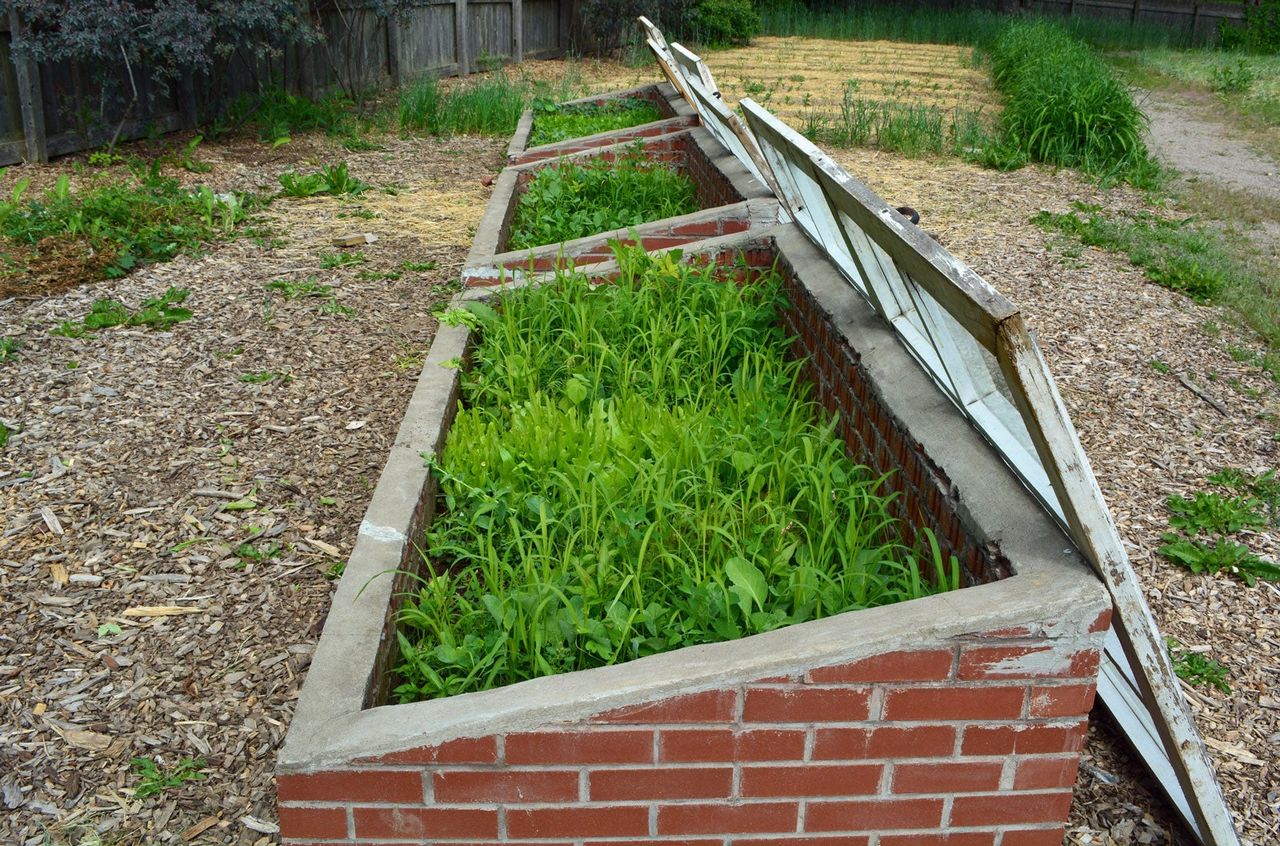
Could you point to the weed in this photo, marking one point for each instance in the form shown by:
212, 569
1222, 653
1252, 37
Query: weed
335, 570
308, 287
1224, 555
378, 275
188, 159
250, 554
490, 105
9, 349
1212, 513
1226, 79
1159, 366
419, 266
328, 261
333, 307
571, 200
161, 312
1195, 668
1263, 488
5, 434
153, 780
330, 179
553, 123
259, 377
637, 468
63, 237
1175, 254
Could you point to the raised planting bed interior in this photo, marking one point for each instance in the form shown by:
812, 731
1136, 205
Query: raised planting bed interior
640, 467
553, 123
577, 197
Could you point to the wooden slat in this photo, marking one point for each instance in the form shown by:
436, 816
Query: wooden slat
31, 99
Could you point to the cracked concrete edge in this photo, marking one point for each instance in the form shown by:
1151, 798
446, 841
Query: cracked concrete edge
1053, 591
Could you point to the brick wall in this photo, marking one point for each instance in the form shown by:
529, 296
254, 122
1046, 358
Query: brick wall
971, 741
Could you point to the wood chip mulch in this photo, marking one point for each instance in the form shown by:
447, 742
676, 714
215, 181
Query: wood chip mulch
169, 530
1101, 324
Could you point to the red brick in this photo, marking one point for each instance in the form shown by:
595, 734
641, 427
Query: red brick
802, 840
805, 705
464, 750
811, 780
650, 841
488, 786
320, 823
586, 747
704, 229
690, 745
664, 783
1068, 700
403, 786
711, 706
884, 742
1007, 662
406, 823
932, 665
1005, 808
727, 819
1046, 773
959, 777
600, 821
662, 242
1102, 623
967, 838
953, 703
1034, 837
873, 814
1024, 740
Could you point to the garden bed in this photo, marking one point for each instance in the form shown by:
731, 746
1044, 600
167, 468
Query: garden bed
959, 711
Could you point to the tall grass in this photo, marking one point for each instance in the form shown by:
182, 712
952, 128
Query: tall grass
639, 468
490, 104
977, 27
912, 129
1065, 107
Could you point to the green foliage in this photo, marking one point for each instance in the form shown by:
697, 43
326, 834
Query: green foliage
717, 23
1222, 556
1260, 32
121, 223
1195, 668
1175, 254
912, 129
161, 312
279, 115
5, 433
329, 261
489, 106
1065, 107
329, 179
570, 200
260, 377
552, 123
1226, 79
638, 468
153, 780
1212, 513
9, 349
308, 287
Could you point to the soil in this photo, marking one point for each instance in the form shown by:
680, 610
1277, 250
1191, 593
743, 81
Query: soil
1185, 137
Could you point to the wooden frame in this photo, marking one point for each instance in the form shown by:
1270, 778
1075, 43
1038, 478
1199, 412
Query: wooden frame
957, 326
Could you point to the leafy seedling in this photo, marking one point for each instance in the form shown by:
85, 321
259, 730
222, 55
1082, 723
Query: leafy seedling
308, 287
108, 630
328, 261
9, 349
419, 266
1225, 555
1195, 668
153, 780
1212, 513
333, 307
259, 377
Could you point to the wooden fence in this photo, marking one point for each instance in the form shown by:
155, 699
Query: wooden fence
56, 108
1199, 21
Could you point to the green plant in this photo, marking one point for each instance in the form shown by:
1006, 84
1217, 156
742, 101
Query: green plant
5, 433
259, 377
1193, 667
570, 200
636, 468
188, 159
330, 179
723, 22
1212, 513
1233, 80
153, 780
489, 105
328, 261
161, 312
332, 306
1065, 107
1224, 555
308, 287
419, 266
1159, 366
553, 122
1175, 254
9, 349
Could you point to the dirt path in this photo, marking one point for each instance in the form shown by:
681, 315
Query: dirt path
1184, 136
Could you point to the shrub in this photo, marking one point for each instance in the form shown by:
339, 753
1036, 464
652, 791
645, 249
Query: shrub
721, 22
638, 468
570, 199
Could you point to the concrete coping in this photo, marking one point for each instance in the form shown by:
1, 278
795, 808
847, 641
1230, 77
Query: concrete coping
1052, 582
